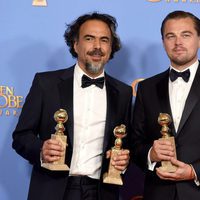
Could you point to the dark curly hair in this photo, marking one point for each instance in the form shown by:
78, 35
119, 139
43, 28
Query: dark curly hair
179, 14
72, 32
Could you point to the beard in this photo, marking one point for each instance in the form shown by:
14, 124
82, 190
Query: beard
94, 68
182, 61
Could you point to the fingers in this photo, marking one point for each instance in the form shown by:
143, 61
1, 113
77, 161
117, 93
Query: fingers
52, 150
166, 175
121, 160
108, 154
183, 172
161, 150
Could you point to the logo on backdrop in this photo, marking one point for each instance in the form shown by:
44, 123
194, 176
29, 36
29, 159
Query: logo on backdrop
39, 3
176, 1
10, 104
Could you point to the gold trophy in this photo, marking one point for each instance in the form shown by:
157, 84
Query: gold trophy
164, 120
113, 176
60, 117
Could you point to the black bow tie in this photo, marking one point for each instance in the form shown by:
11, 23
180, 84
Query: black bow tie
86, 81
173, 75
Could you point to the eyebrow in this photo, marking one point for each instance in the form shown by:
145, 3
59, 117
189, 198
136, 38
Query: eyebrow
171, 33
92, 36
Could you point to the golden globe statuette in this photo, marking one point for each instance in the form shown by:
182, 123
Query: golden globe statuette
60, 117
164, 120
113, 175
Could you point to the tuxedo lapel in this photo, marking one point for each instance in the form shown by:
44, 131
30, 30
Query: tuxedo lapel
65, 88
193, 98
112, 104
163, 97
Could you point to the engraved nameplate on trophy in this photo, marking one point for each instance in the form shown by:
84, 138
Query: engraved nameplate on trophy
113, 176
60, 117
39, 3
164, 120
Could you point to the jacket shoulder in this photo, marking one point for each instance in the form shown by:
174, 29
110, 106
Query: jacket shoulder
153, 80
118, 84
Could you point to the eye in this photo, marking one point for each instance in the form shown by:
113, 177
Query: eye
105, 40
186, 35
169, 37
88, 38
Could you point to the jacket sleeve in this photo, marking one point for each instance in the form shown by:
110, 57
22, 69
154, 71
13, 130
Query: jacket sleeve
140, 145
25, 137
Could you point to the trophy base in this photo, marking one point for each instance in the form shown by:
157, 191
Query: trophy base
113, 175
55, 167
168, 167
112, 180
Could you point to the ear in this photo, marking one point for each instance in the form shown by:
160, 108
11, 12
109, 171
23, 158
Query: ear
199, 42
163, 43
75, 45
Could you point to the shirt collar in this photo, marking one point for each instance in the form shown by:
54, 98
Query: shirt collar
192, 68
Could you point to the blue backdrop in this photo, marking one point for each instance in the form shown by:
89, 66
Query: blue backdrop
31, 40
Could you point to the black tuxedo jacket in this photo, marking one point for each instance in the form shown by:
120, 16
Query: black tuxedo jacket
152, 99
51, 91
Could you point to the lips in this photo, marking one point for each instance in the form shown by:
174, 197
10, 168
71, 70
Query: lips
179, 49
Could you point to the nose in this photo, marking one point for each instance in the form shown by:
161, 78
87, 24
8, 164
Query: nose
97, 44
178, 40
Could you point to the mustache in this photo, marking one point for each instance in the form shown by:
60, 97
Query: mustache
179, 48
96, 52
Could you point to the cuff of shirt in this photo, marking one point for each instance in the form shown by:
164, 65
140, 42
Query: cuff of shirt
41, 160
151, 165
196, 181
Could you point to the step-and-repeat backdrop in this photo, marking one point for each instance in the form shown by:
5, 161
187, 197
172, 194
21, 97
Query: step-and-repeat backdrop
31, 40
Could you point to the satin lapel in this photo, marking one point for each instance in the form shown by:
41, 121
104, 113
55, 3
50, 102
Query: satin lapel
163, 97
65, 88
112, 104
192, 99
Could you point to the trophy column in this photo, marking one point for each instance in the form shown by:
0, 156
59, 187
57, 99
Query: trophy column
113, 175
60, 117
164, 120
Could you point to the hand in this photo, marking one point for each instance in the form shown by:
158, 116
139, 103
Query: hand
121, 160
161, 150
184, 172
52, 150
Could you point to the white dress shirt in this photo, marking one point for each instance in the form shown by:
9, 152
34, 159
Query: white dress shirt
178, 93
90, 107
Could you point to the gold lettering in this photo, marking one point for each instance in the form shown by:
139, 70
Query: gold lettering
154, 0
14, 113
14, 101
3, 101
176, 1
11, 101
39, 3
134, 85
7, 113
2, 89
9, 91
6, 90
19, 100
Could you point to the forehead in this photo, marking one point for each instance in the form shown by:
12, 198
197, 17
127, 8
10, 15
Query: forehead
95, 27
179, 25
